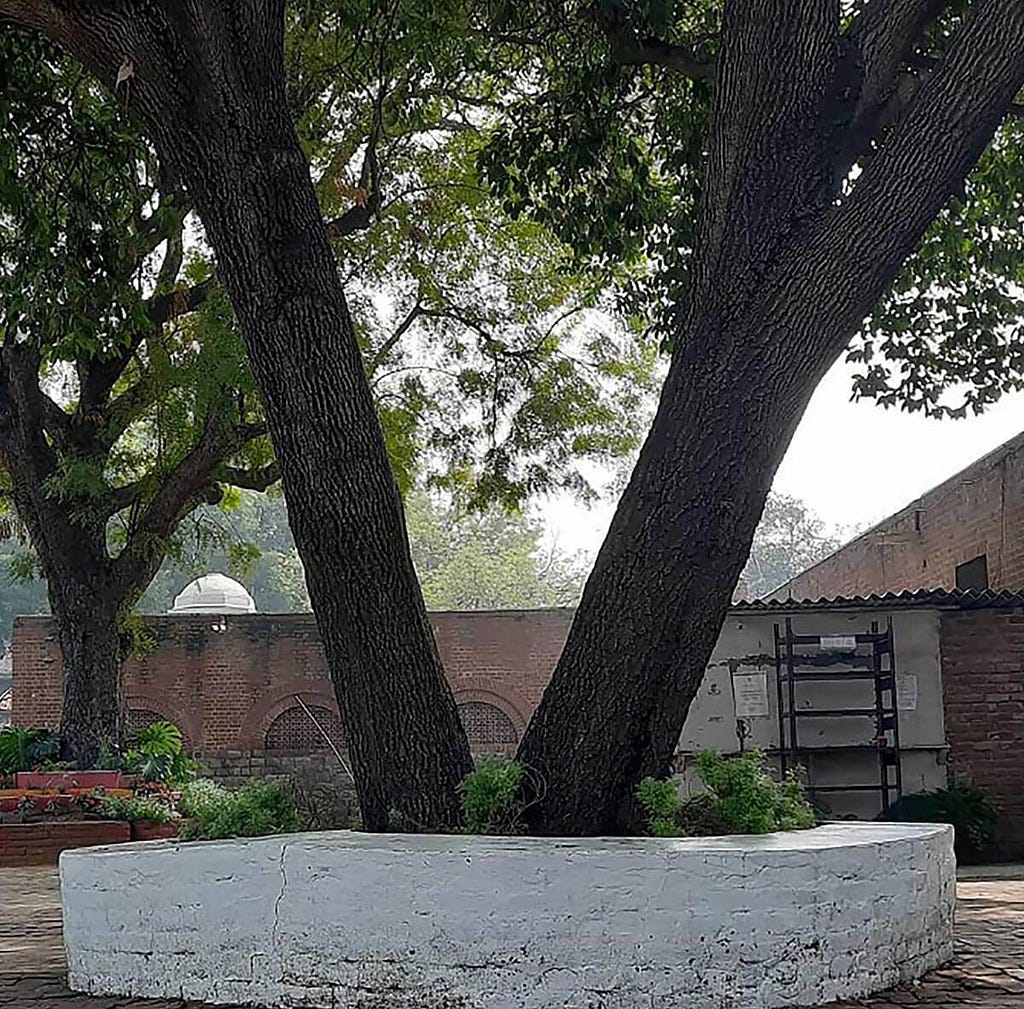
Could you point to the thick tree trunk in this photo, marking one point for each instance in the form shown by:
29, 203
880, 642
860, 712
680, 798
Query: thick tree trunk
781, 278
92, 714
208, 83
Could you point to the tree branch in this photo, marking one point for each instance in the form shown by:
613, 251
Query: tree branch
182, 489
389, 344
937, 142
627, 50
250, 479
884, 35
172, 305
360, 216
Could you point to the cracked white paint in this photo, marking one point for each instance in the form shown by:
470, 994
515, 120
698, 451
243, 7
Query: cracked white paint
343, 920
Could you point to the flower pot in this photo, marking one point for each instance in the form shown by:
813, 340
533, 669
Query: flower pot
64, 780
148, 830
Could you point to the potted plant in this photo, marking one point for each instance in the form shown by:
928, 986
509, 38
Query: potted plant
150, 817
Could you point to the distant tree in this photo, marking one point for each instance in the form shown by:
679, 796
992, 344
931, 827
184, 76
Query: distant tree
487, 561
465, 560
789, 539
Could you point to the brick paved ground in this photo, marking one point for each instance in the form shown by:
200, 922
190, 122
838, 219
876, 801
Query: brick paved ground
988, 972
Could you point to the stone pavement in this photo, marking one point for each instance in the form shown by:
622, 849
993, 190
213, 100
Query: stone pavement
988, 972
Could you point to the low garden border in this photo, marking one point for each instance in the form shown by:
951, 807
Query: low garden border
344, 918
42, 843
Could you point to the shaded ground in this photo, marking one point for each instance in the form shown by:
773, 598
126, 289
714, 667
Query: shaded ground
988, 972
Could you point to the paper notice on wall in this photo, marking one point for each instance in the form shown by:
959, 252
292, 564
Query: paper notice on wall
906, 692
750, 691
838, 643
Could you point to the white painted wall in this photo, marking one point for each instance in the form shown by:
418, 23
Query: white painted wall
747, 645
438, 922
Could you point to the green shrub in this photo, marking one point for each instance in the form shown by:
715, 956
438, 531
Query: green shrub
701, 816
490, 798
199, 795
157, 753
749, 799
258, 808
661, 804
741, 798
974, 818
24, 749
138, 808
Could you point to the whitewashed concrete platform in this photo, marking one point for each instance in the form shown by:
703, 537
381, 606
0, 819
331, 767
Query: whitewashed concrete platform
346, 919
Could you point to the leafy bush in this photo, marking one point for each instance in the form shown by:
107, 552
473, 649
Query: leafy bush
157, 753
974, 818
198, 796
490, 798
750, 801
256, 809
137, 809
742, 798
701, 816
661, 804
23, 749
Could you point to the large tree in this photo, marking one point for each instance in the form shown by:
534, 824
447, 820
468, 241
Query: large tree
121, 408
493, 294
207, 81
835, 135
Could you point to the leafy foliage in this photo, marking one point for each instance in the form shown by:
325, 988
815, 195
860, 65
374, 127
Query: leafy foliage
789, 539
200, 796
23, 749
136, 809
258, 808
490, 798
741, 798
661, 803
972, 814
465, 559
157, 754
750, 801
607, 154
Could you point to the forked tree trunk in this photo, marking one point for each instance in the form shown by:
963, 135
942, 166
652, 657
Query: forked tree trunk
781, 278
208, 83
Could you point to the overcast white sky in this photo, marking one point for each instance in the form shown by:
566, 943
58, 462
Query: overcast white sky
826, 463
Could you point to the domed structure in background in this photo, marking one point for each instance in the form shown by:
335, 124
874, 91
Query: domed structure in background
214, 593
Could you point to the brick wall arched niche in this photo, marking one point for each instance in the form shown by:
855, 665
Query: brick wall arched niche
144, 710
301, 729
494, 722
276, 721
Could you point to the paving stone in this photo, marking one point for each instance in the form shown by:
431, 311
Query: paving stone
988, 972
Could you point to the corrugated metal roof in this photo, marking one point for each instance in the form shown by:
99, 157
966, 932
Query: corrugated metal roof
964, 599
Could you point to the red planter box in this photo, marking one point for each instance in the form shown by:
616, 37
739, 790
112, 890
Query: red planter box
143, 830
42, 843
69, 779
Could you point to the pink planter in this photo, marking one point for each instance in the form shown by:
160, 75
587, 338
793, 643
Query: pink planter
69, 779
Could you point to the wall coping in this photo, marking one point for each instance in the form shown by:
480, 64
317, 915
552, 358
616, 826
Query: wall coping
343, 918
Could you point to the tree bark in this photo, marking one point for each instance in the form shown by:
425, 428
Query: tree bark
92, 713
208, 83
783, 274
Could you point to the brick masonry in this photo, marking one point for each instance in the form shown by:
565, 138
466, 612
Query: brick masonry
42, 843
980, 511
983, 694
226, 690
233, 694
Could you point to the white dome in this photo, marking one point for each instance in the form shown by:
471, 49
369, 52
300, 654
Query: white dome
213, 594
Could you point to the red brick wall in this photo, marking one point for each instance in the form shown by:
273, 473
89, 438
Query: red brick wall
979, 511
42, 843
225, 689
983, 687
